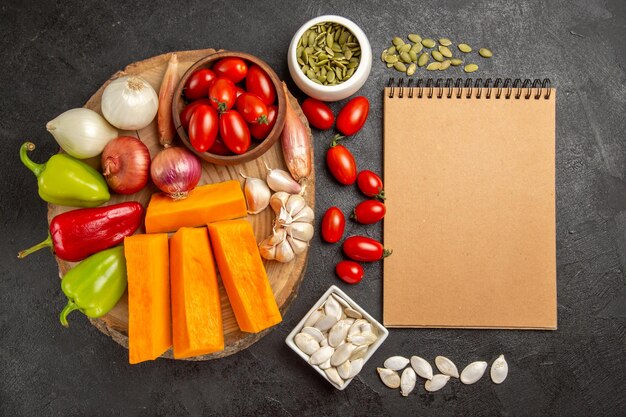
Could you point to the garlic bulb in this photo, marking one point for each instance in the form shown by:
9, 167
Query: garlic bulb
129, 103
293, 228
81, 132
257, 194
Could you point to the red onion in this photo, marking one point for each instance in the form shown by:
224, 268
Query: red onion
125, 164
176, 171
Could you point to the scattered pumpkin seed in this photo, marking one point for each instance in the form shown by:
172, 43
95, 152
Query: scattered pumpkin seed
470, 68
456, 62
423, 59
428, 43
392, 50
391, 59
445, 42
397, 41
485, 53
413, 56
411, 69
417, 48
463, 47
445, 51
405, 57
389, 65
437, 56
405, 48
433, 66
400, 66
445, 64
415, 38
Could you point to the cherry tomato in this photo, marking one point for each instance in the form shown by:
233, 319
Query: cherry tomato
253, 110
219, 148
369, 211
353, 115
364, 249
222, 94
333, 225
235, 69
234, 132
259, 83
239, 91
260, 131
341, 163
349, 271
185, 115
370, 184
318, 114
197, 85
203, 127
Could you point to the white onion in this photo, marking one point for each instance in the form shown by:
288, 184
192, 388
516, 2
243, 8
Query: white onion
129, 103
81, 132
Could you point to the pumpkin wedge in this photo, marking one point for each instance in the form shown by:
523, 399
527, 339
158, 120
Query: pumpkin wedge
196, 309
243, 275
205, 204
149, 313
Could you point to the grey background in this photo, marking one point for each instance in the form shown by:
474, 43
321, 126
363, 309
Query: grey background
56, 54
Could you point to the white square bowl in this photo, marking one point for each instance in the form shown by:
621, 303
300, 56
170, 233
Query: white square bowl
382, 332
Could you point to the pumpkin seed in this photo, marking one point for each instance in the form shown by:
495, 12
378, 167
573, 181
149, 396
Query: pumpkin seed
311, 38
389, 65
310, 321
413, 56
396, 363
342, 354
411, 69
417, 48
397, 41
422, 367
392, 51
301, 62
407, 381
415, 38
485, 53
499, 370
446, 366
436, 383
445, 42
306, 343
445, 64
313, 332
391, 59
390, 378
321, 355
445, 51
310, 74
350, 312
423, 59
463, 47
405, 57
404, 48
333, 376
400, 66
428, 43
473, 372
437, 56
456, 62
470, 68
330, 77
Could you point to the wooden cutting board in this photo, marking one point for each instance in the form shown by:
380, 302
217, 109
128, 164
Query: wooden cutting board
284, 278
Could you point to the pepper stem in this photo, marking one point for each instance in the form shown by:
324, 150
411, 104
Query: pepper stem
69, 307
387, 252
33, 166
46, 243
336, 140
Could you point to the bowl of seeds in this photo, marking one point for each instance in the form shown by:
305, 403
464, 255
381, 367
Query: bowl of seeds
329, 58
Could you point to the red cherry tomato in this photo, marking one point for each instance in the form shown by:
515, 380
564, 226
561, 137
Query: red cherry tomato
318, 114
235, 69
333, 225
260, 131
370, 184
364, 249
203, 127
197, 85
185, 115
259, 83
222, 94
219, 148
349, 271
353, 115
341, 163
239, 91
253, 110
369, 211
234, 132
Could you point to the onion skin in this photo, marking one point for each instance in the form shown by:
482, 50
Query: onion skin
176, 171
296, 143
126, 164
165, 123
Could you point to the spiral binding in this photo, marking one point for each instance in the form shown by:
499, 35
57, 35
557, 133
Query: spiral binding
436, 88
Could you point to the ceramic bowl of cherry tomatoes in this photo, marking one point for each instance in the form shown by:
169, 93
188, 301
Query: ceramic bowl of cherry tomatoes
229, 108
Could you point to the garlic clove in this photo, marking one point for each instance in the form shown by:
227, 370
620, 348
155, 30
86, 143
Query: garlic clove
297, 245
295, 204
301, 231
257, 194
283, 217
284, 252
306, 215
278, 201
279, 180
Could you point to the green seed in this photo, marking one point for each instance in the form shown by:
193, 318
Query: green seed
397, 41
433, 66
336, 47
383, 55
429, 43
411, 69
463, 47
405, 48
299, 51
391, 59
321, 78
445, 51
348, 54
330, 77
316, 81
311, 38
400, 66
445, 65
310, 74
392, 51
415, 38
389, 65
423, 59
456, 62
445, 42
470, 68
405, 57
350, 72
417, 48
305, 68
413, 56
330, 40
485, 53
353, 64
301, 62
437, 56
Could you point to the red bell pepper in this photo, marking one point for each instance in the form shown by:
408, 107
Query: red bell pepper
76, 234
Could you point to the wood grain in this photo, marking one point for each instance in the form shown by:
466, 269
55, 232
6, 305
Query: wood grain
284, 278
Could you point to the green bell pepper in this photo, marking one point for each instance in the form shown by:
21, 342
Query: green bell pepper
66, 181
95, 285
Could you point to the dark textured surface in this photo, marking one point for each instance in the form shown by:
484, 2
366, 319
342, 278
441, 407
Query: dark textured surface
55, 55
